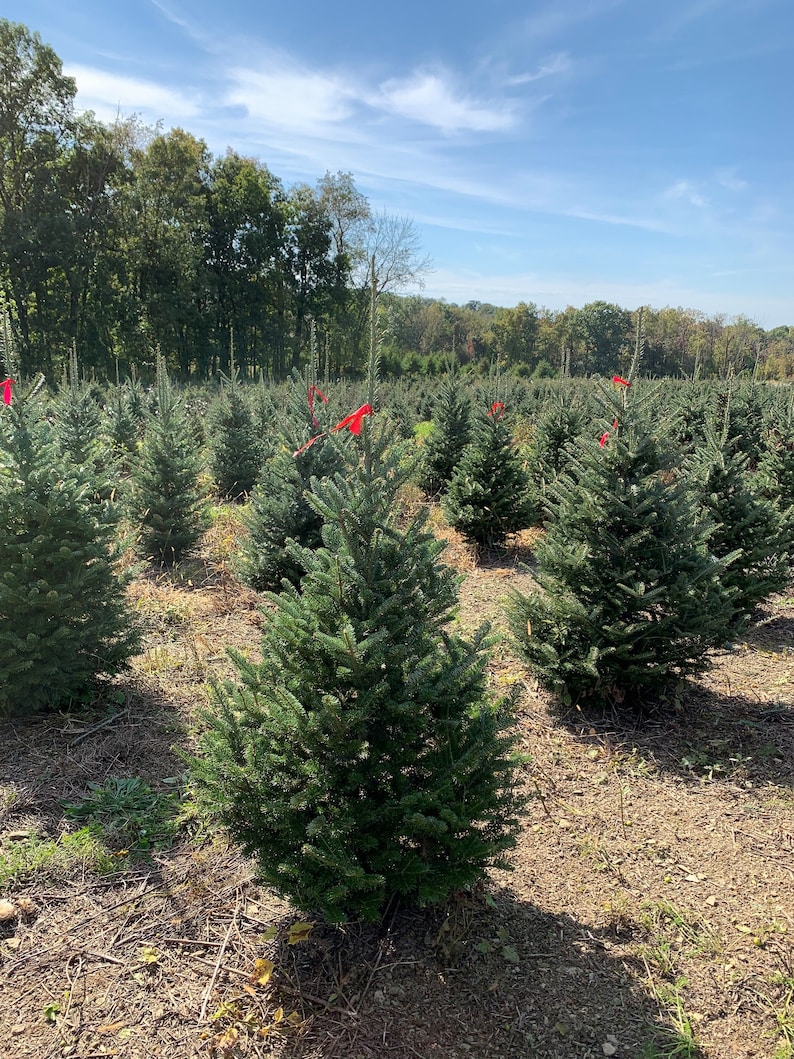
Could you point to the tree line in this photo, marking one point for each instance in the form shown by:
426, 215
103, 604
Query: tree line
597, 339
124, 242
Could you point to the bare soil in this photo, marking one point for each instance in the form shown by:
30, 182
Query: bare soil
649, 914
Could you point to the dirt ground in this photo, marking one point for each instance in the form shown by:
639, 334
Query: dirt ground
649, 914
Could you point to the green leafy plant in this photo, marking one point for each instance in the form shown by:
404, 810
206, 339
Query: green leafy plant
677, 1041
80, 850
128, 813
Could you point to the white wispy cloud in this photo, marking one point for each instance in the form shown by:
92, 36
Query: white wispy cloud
283, 94
172, 16
561, 16
728, 179
291, 97
554, 65
433, 99
686, 191
108, 94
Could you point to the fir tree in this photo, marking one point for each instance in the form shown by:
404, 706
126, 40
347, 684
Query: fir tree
63, 618
775, 475
749, 529
123, 425
557, 426
234, 451
449, 436
279, 510
265, 416
166, 503
77, 422
631, 596
490, 494
77, 417
362, 762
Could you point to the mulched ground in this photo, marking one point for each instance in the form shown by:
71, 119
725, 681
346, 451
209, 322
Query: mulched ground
650, 911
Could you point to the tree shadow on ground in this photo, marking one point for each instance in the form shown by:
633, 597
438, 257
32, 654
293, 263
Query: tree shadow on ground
516, 553
492, 977
732, 738
771, 633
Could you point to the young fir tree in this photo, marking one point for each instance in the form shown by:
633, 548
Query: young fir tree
77, 417
557, 426
775, 475
123, 427
77, 423
747, 527
234, 450
630, 596
279, 509
450, 434
490, 494
63, 618
362, 762
166, 504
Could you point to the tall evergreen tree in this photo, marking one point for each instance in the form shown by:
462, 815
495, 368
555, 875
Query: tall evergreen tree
166, 502
63, 617
77, 417
490, 494
77, 423
630, 596
124, 423
362, 762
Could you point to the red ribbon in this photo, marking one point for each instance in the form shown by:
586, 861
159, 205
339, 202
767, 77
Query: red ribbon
308, 444
603, 439
352, 422
312, 391
620, 381
7, 384
497, 406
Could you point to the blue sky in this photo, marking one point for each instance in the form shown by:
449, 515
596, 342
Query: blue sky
554, 151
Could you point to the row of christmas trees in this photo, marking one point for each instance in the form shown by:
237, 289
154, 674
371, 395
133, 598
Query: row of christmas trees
363, 760
147, 469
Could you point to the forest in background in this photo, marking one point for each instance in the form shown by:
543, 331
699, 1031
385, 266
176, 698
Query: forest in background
120, 242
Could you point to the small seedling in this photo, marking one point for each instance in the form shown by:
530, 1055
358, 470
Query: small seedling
678, 1041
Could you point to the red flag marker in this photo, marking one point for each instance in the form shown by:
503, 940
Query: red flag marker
354, 420
7, 384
